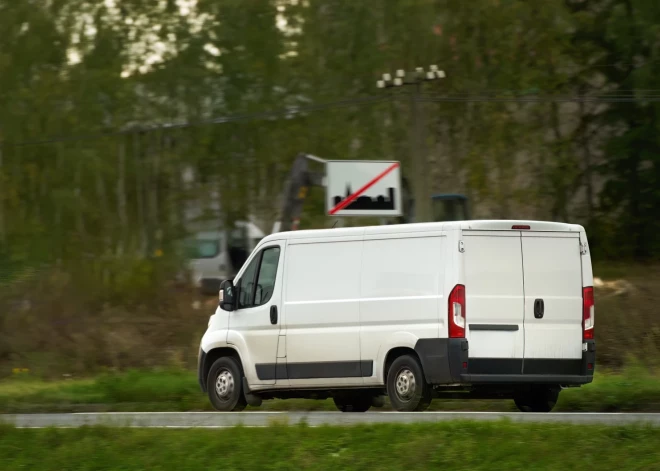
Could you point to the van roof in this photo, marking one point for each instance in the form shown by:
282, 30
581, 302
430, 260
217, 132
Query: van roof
476, 225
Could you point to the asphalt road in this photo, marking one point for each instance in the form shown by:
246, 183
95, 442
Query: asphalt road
262, 419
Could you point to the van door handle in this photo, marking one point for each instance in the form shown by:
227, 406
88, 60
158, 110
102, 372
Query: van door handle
273, 315
539, 308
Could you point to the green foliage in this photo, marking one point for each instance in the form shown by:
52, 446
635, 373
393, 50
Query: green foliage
634, 389
466, 445
77, 69
135, 386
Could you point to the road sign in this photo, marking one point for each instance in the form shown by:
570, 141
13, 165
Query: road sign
363, 188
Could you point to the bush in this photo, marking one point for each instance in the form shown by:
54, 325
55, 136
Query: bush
127, 313
75, 322
627, 322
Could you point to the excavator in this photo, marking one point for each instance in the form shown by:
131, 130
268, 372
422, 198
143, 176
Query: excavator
445, 207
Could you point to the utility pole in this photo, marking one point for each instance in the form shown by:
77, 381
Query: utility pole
420, 174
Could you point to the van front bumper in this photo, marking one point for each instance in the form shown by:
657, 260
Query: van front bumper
447, 361
201, 363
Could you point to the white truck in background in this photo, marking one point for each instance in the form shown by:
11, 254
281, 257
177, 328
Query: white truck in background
217, 255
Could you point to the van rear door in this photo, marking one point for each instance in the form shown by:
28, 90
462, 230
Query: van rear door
553, 302
494, 301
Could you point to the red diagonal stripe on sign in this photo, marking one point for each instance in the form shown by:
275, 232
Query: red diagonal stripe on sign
349, 199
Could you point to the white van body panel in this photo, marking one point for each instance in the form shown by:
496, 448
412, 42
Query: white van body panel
216, 334
553, 273
321, 304
494, 294
587, 269
506, 225
401, 291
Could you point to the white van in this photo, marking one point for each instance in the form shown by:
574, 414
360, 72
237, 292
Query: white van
478, 309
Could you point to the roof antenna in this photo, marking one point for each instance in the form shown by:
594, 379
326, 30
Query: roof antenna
333, 226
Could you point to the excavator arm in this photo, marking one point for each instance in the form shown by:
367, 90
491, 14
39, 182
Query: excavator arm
296, 190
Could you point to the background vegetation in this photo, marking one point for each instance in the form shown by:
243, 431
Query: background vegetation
117, 118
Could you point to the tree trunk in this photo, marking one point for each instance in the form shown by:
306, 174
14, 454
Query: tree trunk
80, 218
156, 154
588, 174
3, 235
139, 188
121, 192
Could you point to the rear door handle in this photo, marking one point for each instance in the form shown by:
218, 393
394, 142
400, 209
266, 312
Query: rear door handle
539, 308
273, 315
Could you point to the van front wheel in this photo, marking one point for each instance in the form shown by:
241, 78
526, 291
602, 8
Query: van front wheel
406, 386
225, 385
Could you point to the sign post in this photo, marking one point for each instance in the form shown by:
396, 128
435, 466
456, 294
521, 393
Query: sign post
363, 188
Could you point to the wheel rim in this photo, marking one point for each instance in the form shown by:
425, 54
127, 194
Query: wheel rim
405, 384
224, 384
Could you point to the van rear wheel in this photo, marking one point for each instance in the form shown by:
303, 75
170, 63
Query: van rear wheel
406, 386
353, 402
537, 399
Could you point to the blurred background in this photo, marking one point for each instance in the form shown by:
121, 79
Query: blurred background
142, 141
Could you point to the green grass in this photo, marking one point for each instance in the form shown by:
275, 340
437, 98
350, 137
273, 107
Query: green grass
635, 389
456, 446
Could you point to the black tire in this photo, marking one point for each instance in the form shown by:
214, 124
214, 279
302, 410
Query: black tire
225, 385
353, 402
537, 399
378, 401
406, 386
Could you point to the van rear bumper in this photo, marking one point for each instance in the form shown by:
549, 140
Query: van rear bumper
446, 361
526, 379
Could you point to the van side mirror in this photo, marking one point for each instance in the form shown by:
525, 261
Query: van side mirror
226, 295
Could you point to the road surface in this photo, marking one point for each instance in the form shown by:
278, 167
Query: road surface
262, 419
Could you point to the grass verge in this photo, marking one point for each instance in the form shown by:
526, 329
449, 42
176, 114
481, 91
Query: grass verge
457, 445
635, 389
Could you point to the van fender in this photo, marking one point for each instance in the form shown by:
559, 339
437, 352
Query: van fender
443, 360
211, 341
214, 339
399, 339
236, 341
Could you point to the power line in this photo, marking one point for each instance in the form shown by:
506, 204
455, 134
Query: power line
297, 111
293, 111
429, 98
73, 102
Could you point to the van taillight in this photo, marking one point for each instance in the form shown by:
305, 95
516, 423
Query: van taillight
588, 308
457, 312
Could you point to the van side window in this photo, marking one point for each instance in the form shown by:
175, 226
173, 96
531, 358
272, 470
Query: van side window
246, 292
267, 275
265, 263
